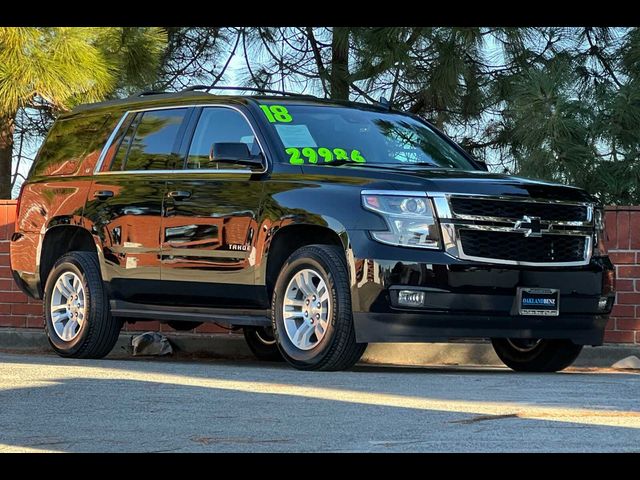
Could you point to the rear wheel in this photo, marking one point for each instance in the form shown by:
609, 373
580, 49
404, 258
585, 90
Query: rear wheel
536, 355
262, 343
78, 319
311, 311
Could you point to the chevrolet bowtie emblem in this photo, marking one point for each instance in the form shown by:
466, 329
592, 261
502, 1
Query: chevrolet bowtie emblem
530, 226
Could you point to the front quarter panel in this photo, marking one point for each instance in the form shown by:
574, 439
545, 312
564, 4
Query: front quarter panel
333, 204
292, 198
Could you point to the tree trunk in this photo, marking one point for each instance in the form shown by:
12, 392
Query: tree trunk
340, 63
6, 154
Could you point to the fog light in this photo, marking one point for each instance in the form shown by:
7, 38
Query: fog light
410, 298
602, 303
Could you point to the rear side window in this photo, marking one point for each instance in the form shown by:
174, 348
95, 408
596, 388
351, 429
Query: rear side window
151, 141
70, 142
122, 141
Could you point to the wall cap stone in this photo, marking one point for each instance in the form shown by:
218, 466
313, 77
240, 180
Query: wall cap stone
622, 208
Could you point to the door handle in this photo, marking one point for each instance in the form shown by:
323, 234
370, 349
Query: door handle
179, 194
103, 194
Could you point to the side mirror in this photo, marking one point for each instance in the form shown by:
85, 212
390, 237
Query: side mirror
234, 152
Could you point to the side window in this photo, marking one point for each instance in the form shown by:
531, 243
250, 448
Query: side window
71, 143
123, 141
219, 124
150, 142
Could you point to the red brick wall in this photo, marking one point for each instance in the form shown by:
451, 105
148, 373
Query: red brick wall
623, 244
623, 231
16, 309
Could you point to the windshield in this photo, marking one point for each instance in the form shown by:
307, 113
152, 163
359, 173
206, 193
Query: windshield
317, 134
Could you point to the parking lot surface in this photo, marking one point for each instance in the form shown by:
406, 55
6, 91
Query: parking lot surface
143, 405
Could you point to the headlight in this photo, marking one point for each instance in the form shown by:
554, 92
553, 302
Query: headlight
599, 248
410, 219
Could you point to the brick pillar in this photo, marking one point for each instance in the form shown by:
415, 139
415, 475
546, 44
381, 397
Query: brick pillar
623, 244
16, 309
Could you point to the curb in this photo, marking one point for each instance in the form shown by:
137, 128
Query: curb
233, 346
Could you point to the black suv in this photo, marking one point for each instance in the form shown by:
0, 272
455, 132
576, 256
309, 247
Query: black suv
317, 226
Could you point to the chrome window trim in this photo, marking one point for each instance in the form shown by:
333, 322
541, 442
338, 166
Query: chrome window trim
450, 227
190, 171
110, 140
243, 171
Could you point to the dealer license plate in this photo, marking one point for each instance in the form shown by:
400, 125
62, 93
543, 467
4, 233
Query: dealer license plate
538, 301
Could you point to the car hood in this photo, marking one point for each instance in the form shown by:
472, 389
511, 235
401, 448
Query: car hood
451, 181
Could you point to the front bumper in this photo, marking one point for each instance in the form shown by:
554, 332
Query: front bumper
432, 327
466, 299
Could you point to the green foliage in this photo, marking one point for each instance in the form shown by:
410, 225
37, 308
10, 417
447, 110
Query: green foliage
572, 117
59, 67
50, 65
47, 70
559, 104
133, 55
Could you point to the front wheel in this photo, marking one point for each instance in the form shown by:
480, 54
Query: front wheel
536, 355
78, 319
311, 311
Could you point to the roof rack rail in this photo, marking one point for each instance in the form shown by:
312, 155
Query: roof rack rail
144, 93
206, 88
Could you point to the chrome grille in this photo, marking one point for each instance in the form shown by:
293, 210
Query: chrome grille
514, 230
515, 247
516, 210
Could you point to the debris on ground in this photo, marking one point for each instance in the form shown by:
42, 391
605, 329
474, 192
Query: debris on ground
150, 343
629, 363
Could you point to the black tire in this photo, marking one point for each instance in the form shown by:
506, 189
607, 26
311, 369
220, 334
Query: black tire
545, 356
338, 349
183, 326
262, 342
99, 332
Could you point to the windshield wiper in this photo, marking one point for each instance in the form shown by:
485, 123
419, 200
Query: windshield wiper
339, 163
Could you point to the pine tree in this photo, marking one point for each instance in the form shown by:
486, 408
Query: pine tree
555, 103
44, 71
560, 104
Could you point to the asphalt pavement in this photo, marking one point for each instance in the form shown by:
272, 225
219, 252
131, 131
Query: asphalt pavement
162, 405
